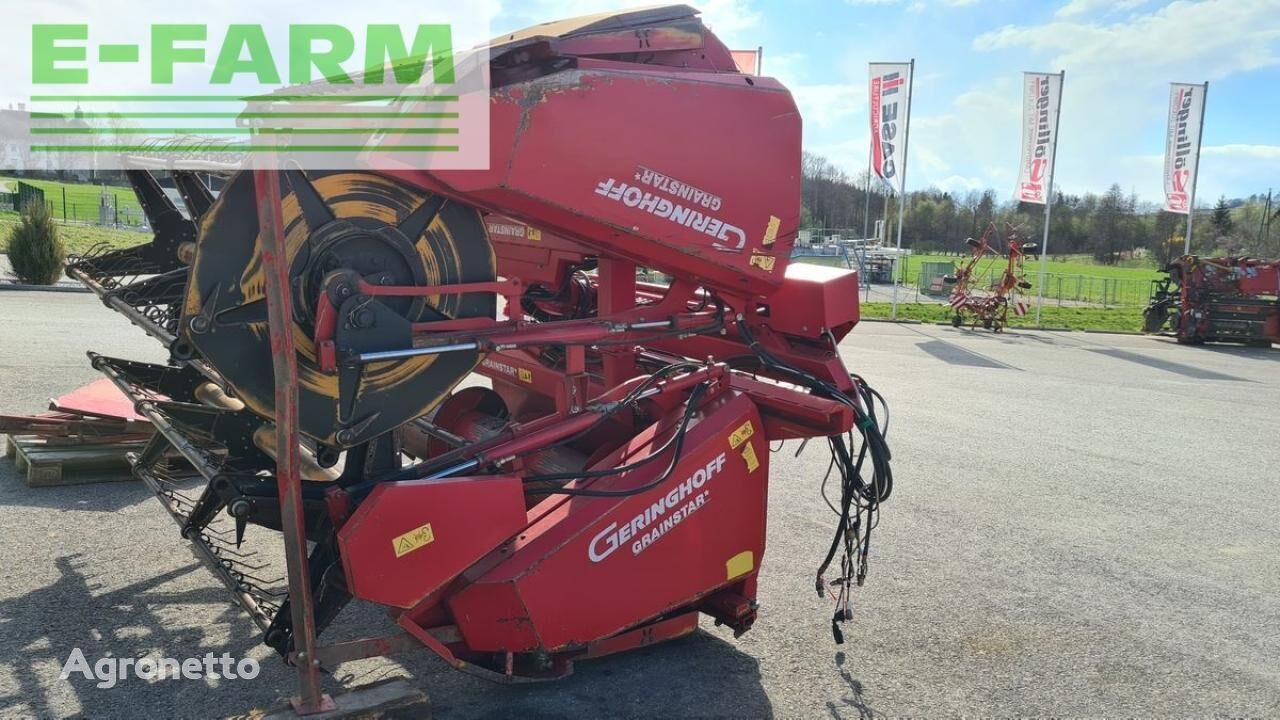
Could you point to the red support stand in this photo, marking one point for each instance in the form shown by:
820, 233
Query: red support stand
285, 365
618, 294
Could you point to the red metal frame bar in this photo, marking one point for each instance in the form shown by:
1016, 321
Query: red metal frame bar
289, 484
655, 632
509, 289
340, 652
490, 335
536, 435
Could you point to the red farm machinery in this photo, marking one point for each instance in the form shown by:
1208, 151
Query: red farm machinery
989, 305
610, 485
1217, 300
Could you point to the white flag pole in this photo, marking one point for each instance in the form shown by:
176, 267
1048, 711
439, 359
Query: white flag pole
866, 205
902, 194
866, 229
1191, 208
1048, 200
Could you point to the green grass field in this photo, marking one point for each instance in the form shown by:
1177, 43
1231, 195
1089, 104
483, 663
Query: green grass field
1071, 278
77, 238
1072, 318
1140, 270
1067, 265
82, 199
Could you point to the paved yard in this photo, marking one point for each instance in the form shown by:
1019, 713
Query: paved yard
1083, 525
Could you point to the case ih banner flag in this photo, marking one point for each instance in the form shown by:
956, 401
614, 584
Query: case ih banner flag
1041, 100
1182, 145
890, 107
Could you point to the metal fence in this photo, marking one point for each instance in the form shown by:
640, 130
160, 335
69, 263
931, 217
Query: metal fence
1083, 289
1071, 289
106, 211
1063, 289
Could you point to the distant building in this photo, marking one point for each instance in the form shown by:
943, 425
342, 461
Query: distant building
16, 156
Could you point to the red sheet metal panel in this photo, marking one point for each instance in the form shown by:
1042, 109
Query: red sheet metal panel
409, 539
100, 398
814, 298
716, 199
593, 567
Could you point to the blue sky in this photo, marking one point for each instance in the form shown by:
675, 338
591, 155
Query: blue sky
1119, 56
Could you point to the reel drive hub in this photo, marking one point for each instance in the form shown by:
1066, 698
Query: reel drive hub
353, 223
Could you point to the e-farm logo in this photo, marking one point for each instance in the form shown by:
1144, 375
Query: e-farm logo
60, 54
315, 95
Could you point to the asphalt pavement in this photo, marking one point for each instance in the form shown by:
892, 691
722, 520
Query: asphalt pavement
1083, 525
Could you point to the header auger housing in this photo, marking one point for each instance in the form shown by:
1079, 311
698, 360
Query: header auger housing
612, 483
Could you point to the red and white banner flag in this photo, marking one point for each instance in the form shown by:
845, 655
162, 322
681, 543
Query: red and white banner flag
1182, 145
890, 121
1041, 100
1019, 308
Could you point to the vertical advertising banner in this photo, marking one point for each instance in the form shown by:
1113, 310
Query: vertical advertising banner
1041, 100
890, 90
1182, 145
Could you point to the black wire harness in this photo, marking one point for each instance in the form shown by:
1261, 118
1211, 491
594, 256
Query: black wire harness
673, 444
859, 506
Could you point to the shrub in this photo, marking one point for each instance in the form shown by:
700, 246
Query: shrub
35, 250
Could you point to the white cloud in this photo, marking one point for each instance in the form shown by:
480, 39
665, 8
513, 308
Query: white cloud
824, 106
979, 132
728, 19
849, 154
916, 6
1233, 170
1230, 170
1075, 8
829, 106
1210, 39
1116, 90
960, 185
1255, 152
786, 66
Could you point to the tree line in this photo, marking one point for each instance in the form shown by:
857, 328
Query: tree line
1110, 226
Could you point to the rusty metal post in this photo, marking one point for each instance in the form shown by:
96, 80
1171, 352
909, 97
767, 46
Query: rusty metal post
289, 484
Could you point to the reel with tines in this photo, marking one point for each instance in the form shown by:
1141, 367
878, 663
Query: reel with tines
353, 224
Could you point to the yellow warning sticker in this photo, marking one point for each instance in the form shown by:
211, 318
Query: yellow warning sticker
741, 435
764, 262
412, 540
771, 232
749, 454
525, 375
740, 564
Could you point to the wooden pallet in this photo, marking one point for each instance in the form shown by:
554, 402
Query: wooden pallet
46, 464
